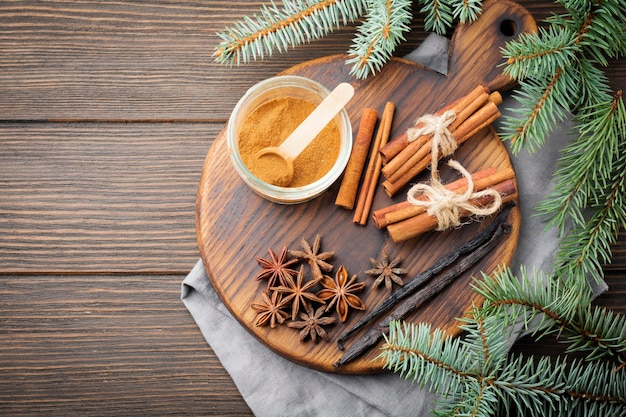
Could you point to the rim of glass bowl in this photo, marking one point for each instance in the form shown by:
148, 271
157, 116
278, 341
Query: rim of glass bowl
288, 195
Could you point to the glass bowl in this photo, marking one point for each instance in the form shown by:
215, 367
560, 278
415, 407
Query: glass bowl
270, 89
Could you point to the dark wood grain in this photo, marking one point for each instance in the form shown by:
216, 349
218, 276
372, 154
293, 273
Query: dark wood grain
129, 61
83, 197
118, 62
105, 345
139, 61
613, 299
618, 254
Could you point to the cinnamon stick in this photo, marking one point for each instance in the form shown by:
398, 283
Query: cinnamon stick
422, 223
495, 97
354, 169
464, 113
477, 121
408, 157
379, 215
392, 187
473, 250
368, 189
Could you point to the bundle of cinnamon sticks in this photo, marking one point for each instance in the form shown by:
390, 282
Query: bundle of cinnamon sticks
405, 220
403, 158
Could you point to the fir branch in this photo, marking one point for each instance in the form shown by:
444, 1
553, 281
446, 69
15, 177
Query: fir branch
543, 103
413, 352
599, 24
611, 338
491, 346
525, 383
469, 386
559, 74
562, 307
590, 33
467, 10
299, 21
544, 52
438, 15
441, 14
586, 248
527, 299
560, 388
591, 175
585, 162
379, 35
594, 85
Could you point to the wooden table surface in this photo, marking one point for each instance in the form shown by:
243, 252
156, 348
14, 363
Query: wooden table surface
107, 110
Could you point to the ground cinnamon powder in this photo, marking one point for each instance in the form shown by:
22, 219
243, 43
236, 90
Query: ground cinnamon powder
271, 123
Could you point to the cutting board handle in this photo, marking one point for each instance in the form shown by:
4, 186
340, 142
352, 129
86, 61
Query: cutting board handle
476, 46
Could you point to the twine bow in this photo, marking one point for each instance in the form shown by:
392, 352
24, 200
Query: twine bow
437, 127
447, 206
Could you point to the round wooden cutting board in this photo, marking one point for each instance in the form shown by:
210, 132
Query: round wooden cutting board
234, 225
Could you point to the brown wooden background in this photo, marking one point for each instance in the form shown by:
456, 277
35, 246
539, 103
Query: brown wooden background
107, 110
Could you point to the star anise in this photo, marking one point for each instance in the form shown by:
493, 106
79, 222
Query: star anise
311, 324
298, 292
276, 268
386, 271
317, 261
270, 310
339, 291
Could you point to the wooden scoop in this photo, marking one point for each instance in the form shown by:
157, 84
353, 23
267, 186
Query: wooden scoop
304, 134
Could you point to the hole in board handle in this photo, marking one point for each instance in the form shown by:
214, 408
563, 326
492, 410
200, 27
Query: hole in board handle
508, 27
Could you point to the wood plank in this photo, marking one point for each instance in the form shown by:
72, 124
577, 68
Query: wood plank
614, 298
106, 345
128, 60
144, 61
100, 197
618, 258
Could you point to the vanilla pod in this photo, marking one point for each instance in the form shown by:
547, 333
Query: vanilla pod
479, 246
421, 278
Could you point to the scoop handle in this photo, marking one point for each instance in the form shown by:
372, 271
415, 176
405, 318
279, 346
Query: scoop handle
316, 121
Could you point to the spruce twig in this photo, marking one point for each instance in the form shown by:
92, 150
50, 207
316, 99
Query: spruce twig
275, 28
592, 175
563, 308
476, 376
559, 70
438, 15
298, 22
379, 35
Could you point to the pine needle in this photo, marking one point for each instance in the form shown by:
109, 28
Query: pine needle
379, 35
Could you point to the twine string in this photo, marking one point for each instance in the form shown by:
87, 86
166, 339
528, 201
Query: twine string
447, 206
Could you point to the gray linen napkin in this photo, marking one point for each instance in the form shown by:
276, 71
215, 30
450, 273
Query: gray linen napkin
273, 386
